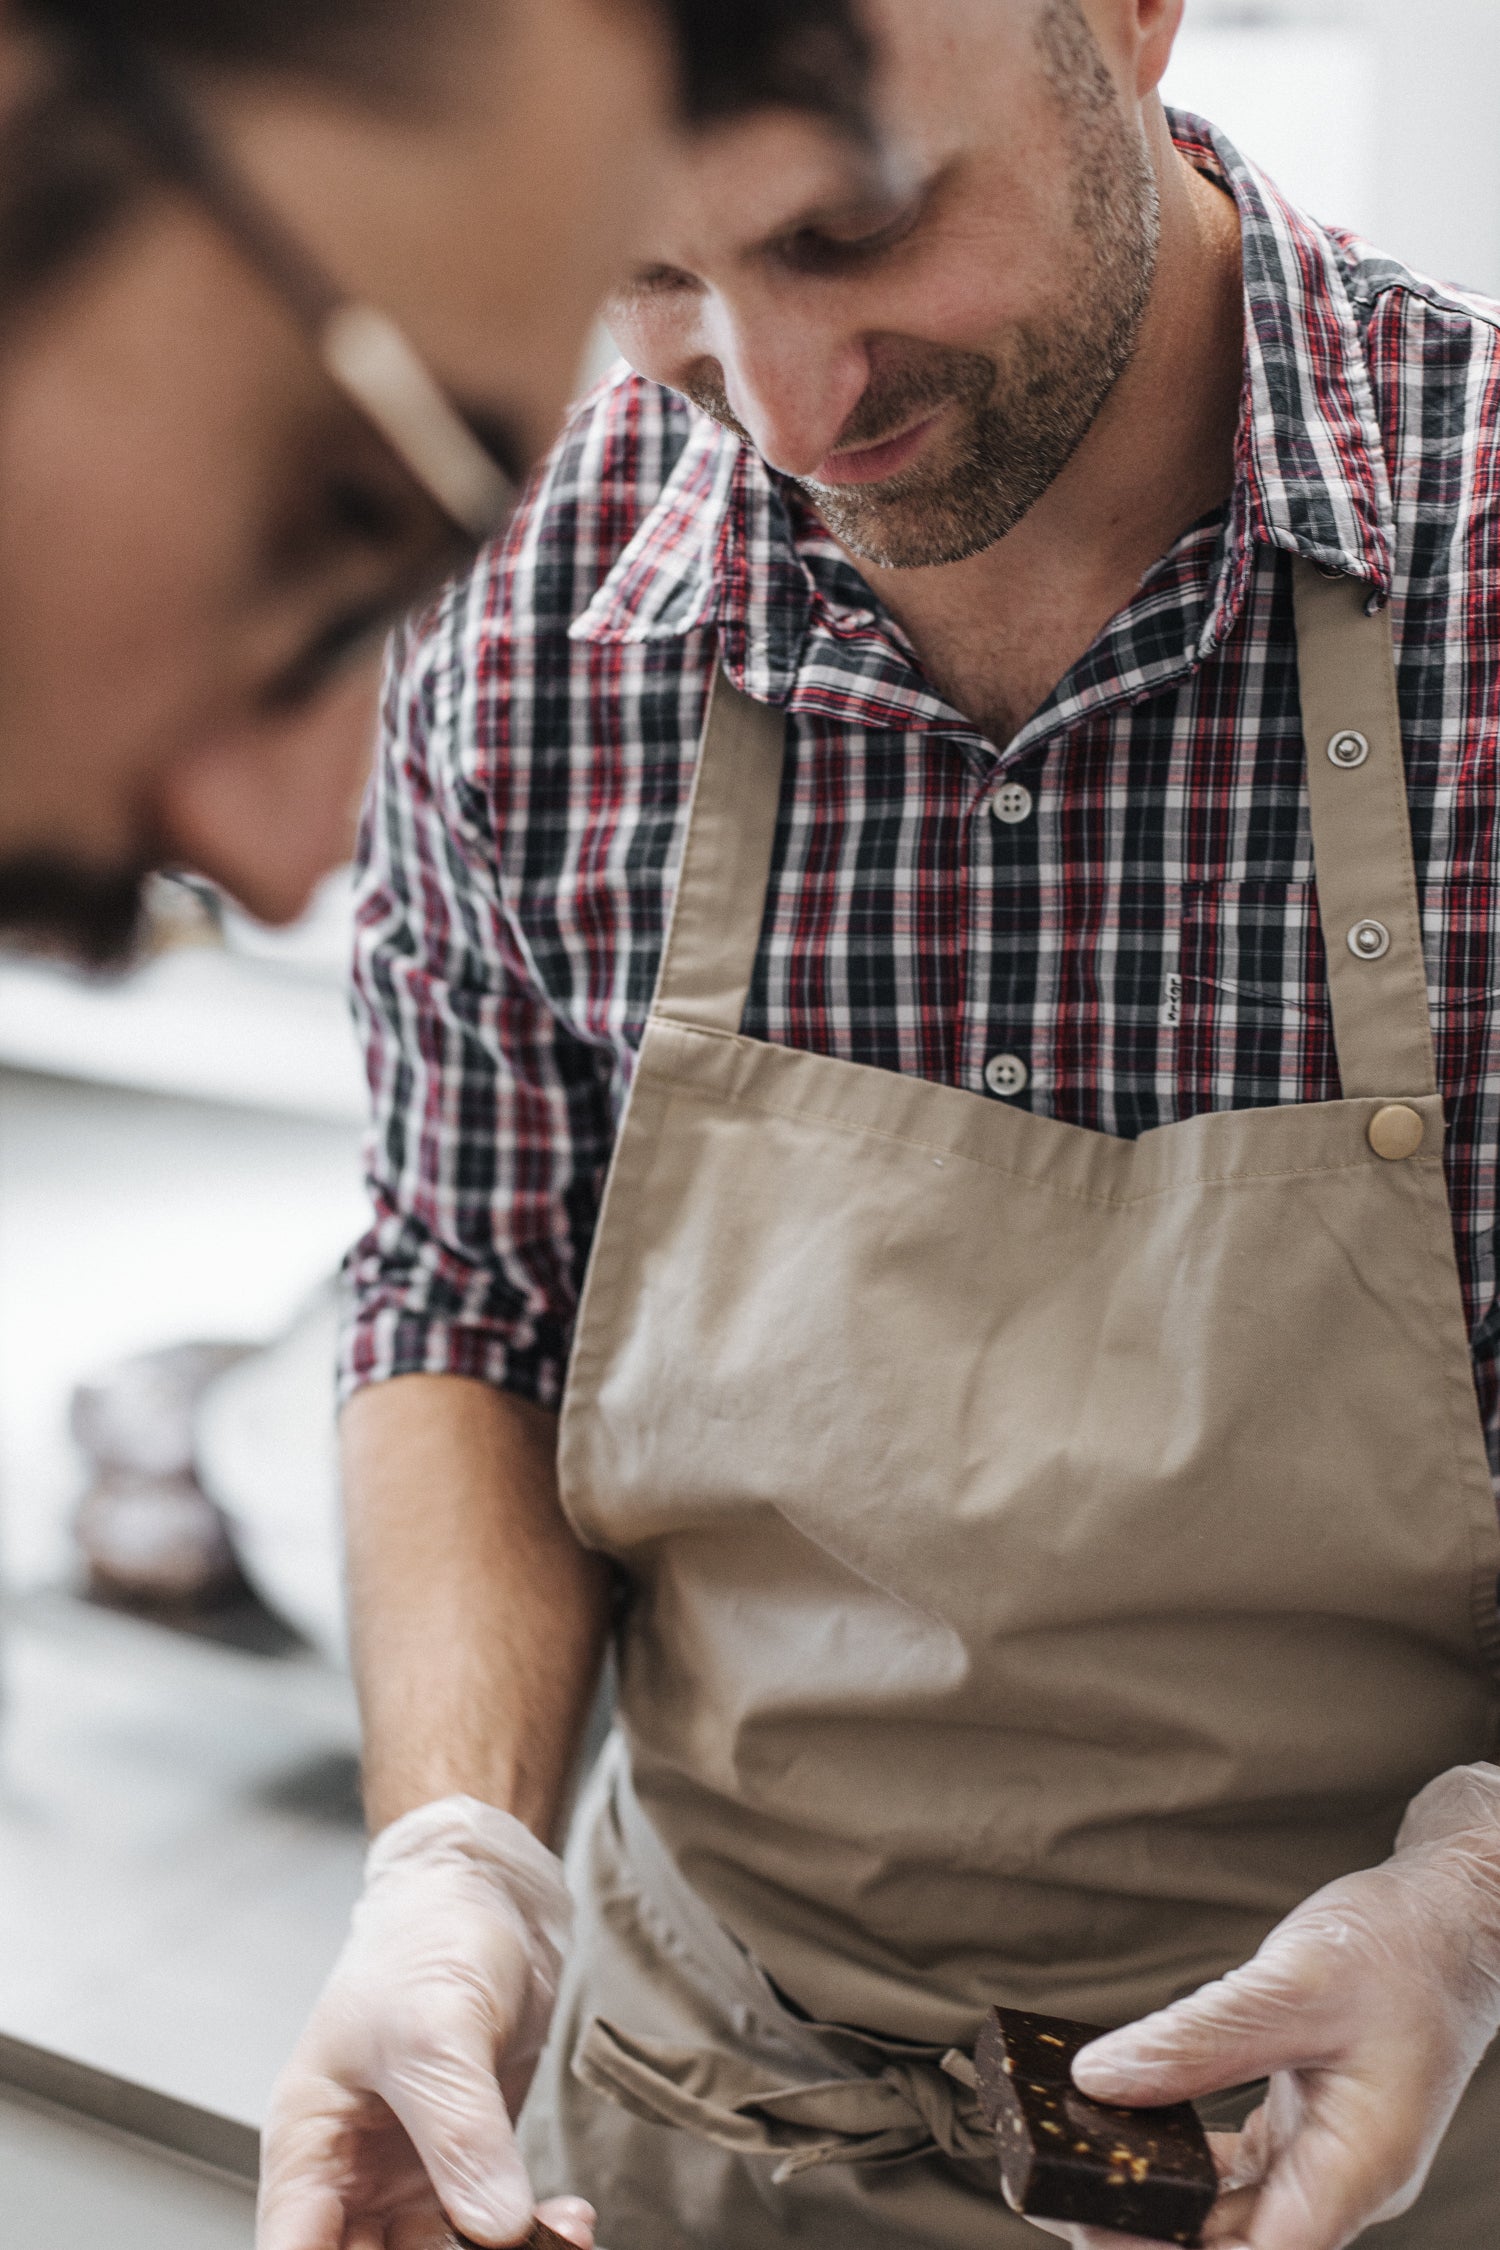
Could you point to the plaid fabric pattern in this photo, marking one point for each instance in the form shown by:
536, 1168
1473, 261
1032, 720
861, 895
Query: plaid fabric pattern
1145, 939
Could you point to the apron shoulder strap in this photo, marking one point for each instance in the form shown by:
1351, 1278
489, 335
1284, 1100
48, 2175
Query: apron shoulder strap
1361, 831
726, 864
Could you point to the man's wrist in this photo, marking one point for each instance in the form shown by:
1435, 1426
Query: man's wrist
1461, 1807
1453, 1831
462, 1832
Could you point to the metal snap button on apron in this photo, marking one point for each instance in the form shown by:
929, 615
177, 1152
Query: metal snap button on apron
1369, 941
1007, 1076
1396, 1132
1012, 803
1349, 749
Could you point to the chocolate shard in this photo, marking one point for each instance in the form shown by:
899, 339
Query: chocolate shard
1132, 2171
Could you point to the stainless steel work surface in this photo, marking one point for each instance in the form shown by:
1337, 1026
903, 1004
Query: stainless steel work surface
85, 2158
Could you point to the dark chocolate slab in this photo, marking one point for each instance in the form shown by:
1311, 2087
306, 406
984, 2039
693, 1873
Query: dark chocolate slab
1132, 2171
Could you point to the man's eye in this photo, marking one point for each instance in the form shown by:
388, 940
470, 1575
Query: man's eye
359, 510
831, 249
344, 641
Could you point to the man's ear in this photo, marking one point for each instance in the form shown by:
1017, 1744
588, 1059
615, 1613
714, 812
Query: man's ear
1157, 25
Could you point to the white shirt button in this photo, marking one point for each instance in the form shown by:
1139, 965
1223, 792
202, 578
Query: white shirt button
1012, 802
1007, 1076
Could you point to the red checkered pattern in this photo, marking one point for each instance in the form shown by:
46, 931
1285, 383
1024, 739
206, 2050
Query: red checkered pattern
1145, 940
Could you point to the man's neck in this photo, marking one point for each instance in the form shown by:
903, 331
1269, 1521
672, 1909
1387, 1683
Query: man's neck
997, 633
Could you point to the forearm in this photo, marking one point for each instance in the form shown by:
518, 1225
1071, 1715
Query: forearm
479, 1621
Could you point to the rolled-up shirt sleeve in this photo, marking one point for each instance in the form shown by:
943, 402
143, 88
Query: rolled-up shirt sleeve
491, 1123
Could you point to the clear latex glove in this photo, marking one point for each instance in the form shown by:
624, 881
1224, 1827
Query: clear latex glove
1368, 2010
393, 2116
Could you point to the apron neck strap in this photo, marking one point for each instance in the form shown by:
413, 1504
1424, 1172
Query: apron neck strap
1361, 834
1361, 831
709, 963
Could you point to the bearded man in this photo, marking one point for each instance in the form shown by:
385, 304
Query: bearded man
1028, 1392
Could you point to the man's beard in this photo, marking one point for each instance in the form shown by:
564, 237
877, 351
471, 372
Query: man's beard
1019, 418
53, 905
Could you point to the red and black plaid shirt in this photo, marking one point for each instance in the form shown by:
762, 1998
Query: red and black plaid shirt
1144, 937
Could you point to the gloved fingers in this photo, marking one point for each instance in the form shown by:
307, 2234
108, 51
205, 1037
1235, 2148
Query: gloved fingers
1354, 2159
1463, 1801
309, 2216
444, 2090
572, 2218
1270, 2016
1242, 2159
304, 2166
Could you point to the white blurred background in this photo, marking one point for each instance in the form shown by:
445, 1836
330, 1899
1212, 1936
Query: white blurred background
1377, 114
179, 1159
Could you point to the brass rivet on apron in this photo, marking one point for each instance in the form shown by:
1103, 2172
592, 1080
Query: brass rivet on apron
1396, 1133
1348, 749
1369, 941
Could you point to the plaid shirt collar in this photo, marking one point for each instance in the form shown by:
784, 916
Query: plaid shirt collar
731, 546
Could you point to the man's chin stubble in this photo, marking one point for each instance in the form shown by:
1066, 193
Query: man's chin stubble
913, 524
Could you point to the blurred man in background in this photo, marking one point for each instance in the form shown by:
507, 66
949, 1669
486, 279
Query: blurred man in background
295, 291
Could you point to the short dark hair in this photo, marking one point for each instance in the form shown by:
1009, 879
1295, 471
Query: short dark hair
735, 54
739, 55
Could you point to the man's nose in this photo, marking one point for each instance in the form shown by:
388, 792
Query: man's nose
790, 388
270, 807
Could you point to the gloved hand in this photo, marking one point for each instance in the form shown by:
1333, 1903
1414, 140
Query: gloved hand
1368, 2009
395, 2110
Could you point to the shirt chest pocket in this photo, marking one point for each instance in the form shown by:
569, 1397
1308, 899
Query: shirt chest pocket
1248, 1003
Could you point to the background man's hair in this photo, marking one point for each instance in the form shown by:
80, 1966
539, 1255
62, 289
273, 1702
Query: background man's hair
735, 54
66, 172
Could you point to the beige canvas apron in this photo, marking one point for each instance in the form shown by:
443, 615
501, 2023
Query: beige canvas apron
1054, 1557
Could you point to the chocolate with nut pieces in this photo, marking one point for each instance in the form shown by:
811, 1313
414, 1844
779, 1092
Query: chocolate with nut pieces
1131, 2171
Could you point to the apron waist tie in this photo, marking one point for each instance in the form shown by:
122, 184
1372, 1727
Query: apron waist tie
814, 2094
911, 2108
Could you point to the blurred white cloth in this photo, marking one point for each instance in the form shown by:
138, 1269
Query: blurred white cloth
266, 1453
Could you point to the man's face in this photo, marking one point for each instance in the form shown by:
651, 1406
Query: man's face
193, 521
926, 365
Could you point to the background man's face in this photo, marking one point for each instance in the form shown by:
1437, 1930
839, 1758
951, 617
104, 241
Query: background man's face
191, 516
926, 365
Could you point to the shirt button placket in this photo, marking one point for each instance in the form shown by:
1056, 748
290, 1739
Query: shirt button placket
1011, 804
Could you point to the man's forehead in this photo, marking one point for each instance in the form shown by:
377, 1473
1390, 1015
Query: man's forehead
950, 74
740, 189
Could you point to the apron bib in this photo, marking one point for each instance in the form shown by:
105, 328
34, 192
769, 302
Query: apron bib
1052, 1557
